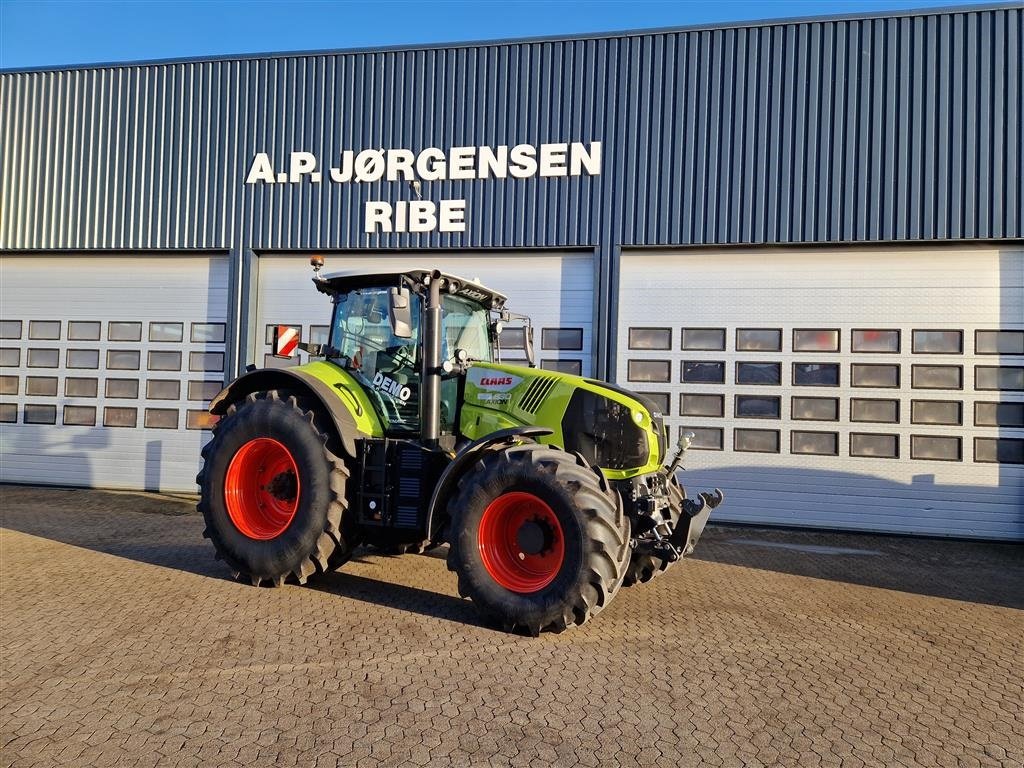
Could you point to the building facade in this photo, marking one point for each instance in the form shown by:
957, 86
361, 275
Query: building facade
804, 239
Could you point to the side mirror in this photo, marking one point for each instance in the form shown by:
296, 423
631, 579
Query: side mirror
286, 341
400, 312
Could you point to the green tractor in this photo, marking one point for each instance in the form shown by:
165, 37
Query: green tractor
407, 432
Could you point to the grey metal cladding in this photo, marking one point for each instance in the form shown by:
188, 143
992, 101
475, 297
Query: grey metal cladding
895, 128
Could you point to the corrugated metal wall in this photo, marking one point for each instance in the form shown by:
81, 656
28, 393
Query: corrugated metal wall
878, 129
896, 128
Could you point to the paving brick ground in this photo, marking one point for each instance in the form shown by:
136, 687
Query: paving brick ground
124, 643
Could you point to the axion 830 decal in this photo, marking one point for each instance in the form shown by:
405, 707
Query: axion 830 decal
494, 386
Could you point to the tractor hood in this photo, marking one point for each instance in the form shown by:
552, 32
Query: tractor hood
618, 430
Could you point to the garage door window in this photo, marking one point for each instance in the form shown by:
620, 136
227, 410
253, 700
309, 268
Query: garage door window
938, 342
83, 358
123, 359
206, 361
164, 361
707, 339
761, 374
10, 329
80, 387
9, 385
166, 332
84, 330
702, 405
704, 438
869, 375
937, 377
758, 340
874, 446
756, 440
122, 331
10, 357
562, 338
163, 389
999, 450
125, 389
650, 338
80, 415
574, 367
758, 407
120, 417
703, 372
43, 358
47, 330
161, 418
649, 370
997, 342
660, 400
879, 411
875, 340
815, 340
999, 414
40, 414
932, 448
815, 374
209, 333
815, 408
41, 386
999, 377
948, 412
814, 443
8, 413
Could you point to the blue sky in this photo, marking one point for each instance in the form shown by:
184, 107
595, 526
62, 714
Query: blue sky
49, 33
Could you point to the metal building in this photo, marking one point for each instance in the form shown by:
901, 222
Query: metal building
804, 238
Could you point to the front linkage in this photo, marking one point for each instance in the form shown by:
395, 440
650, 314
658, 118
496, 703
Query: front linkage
667, 525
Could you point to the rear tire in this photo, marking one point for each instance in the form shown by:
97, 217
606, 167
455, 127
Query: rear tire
538, 540
272, 494
644, 567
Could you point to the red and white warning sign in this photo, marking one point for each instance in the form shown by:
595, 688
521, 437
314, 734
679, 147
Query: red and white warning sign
286, 341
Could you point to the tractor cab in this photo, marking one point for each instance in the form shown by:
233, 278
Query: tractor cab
379, 335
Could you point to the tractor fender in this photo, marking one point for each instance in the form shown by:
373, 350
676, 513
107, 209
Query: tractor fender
298, 381
464, 459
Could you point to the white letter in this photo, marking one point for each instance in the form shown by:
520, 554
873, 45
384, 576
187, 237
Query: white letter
261, 170
378, 213
378, 379
552, 159
401, 215
580, 159
345, 172
460, 162
421, 216
369, 165
427, 170
491, 163
400, 160
453, 216
523, 163
302, 163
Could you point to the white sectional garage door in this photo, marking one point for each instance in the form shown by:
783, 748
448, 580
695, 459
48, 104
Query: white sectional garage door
108, 365
853, 389
555, 290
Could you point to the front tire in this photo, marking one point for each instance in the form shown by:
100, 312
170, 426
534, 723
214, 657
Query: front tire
272, 494
537, 540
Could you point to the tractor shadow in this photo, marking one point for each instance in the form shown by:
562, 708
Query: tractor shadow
166, 532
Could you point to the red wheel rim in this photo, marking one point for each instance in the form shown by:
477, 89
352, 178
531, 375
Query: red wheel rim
261, 489
521, 542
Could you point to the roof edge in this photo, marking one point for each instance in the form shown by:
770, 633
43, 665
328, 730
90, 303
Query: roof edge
628, 33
